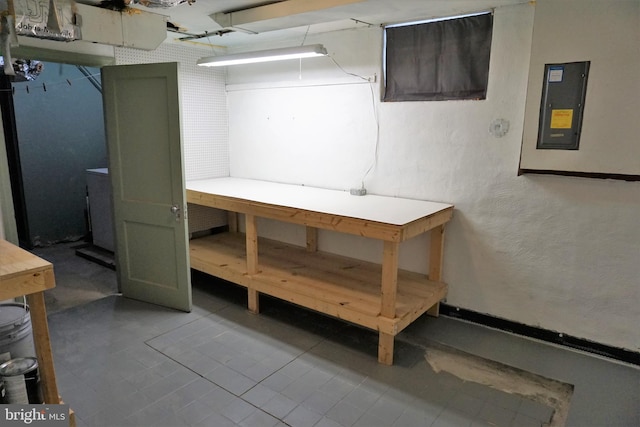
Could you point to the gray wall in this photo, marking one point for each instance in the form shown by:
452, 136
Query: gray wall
60, 135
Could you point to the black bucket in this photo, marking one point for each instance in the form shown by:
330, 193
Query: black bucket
21, 381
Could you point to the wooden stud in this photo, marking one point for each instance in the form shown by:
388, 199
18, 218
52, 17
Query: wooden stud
253, 302
389, 279
435, 310
252, 243
232, 220
72, 415
251, 230
312, 239
436, 252
43, 346
72, 418
385, 348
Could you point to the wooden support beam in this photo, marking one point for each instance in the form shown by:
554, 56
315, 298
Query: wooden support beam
232, 221
43, 348
385, 348
252, 243
389, 279
440, 213
312, 239
253, 301
436, 253
251, 230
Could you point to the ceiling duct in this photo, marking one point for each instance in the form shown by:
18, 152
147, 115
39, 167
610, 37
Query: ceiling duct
52, 20
131, 28
65, 20
283, 14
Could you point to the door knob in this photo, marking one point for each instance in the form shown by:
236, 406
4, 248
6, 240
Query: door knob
175, 209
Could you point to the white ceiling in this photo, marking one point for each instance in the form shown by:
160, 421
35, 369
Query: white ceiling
194, 19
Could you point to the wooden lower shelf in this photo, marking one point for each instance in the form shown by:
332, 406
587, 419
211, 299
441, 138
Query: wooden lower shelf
342, 287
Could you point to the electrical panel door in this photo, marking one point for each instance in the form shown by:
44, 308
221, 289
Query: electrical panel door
562, 105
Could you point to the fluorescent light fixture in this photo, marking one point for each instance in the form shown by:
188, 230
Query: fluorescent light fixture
307, 51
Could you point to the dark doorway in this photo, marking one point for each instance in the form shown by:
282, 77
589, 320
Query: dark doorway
54, 132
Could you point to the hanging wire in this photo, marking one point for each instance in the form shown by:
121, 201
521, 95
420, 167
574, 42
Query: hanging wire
305, 35
374, 161
346, 72
374, 108
209, 42
46, 87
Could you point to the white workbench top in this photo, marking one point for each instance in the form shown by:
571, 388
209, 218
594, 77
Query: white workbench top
384, 209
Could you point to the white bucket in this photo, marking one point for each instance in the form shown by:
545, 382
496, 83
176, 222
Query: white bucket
16, 336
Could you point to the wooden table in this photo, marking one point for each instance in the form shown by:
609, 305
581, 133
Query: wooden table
383, 298
22, 273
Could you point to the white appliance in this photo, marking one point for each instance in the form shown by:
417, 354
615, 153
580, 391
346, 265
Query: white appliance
100, 208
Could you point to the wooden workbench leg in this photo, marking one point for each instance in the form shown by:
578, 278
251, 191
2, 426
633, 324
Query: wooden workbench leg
389, 279
385, 348
232, 221
435, 262
252, 259
389, 289
312, 239
42, 344
253, 300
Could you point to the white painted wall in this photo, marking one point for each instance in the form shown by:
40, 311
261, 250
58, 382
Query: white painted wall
556, 252
203, 110
607, 35
202, 106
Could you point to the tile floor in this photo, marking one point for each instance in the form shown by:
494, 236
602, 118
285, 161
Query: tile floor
79, 281
121, 362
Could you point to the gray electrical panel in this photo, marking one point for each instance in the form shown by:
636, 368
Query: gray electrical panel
562, 105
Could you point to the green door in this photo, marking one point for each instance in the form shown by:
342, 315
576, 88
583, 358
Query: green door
142, 123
